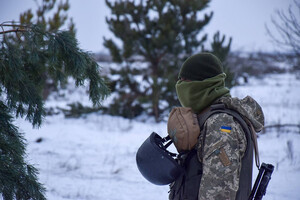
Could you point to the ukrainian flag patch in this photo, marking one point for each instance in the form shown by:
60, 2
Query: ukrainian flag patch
226, 129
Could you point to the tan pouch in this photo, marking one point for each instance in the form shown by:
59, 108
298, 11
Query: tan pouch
183, 128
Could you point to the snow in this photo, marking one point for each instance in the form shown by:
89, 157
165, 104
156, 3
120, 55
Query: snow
277, 94
93, 157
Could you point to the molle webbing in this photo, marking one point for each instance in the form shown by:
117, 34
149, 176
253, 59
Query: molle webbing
186, 186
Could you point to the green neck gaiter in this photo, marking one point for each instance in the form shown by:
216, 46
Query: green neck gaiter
200, 94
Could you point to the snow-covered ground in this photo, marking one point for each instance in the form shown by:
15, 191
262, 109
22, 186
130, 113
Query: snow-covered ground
93, 157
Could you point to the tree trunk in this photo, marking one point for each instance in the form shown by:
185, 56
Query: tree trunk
155, 99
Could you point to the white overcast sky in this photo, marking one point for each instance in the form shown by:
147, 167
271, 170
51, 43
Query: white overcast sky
243, 20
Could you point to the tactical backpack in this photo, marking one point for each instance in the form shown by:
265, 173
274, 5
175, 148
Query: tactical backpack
193, 168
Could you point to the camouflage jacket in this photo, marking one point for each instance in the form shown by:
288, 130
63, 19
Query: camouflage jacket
221, 147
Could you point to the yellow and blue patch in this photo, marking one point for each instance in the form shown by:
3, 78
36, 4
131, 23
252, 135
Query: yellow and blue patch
226, 129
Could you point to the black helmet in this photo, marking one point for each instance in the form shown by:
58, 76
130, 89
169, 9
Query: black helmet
155, 163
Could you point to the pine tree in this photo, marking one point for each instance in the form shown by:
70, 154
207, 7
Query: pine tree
57, 20
24, 60
221, 50
50, 15
160, 33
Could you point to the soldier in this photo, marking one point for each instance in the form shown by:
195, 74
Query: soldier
219, 167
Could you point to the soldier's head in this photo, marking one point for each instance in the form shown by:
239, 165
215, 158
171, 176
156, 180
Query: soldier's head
201, 81
200, 66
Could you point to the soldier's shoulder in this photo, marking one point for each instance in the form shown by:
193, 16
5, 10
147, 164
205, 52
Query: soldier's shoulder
220, 118
222, 121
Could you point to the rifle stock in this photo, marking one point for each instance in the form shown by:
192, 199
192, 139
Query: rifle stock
261, 182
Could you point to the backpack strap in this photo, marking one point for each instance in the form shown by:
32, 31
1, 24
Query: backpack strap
247, 127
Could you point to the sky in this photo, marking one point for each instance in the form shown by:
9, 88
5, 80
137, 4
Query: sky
243, 20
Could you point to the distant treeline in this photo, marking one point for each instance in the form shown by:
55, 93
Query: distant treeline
246, 63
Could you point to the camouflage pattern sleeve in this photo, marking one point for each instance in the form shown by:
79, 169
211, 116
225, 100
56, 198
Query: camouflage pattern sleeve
224, 146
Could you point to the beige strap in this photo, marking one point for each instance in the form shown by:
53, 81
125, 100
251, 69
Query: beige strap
254, 139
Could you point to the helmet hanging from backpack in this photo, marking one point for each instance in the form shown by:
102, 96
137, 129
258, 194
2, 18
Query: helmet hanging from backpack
155, 162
